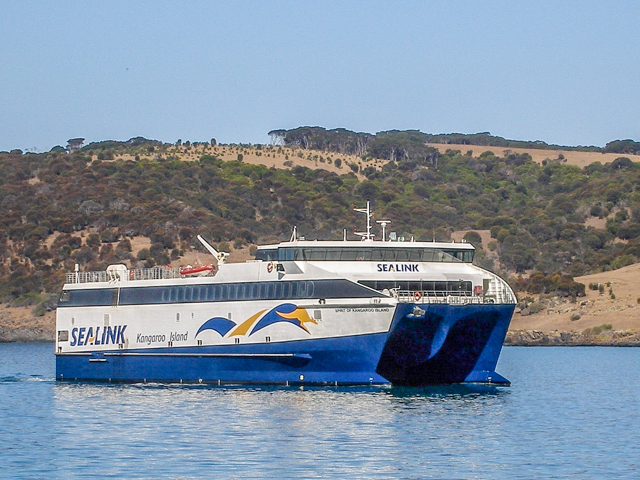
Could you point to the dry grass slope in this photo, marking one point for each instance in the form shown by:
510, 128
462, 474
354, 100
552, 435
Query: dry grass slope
570, 157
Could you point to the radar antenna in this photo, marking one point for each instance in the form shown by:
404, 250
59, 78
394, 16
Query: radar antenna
383, 224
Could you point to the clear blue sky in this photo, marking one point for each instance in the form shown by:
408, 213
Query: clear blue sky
562, 72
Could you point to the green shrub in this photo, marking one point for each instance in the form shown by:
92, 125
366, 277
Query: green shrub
93, 240
536, 307
598, 330
26, 300
473, 238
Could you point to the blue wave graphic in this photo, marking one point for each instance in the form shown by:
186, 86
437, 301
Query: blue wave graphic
219, 324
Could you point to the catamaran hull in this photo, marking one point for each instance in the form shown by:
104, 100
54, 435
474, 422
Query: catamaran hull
442, 344
426, 344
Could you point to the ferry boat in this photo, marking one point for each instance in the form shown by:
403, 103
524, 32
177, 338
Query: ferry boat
303, 312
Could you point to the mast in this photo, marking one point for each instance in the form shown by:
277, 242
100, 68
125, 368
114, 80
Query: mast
368, 235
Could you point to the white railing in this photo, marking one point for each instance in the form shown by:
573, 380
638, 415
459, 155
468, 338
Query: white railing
156, 273
406, 296
498, 292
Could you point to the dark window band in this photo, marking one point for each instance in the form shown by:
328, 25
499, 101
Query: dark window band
226, 292
366, 254
94, 297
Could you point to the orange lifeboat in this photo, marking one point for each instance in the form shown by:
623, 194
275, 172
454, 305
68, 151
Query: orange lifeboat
197, 270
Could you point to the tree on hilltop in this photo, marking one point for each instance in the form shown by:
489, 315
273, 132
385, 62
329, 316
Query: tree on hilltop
74, 144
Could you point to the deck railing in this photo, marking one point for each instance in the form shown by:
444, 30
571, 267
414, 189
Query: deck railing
156, 273
498, 292
405, 296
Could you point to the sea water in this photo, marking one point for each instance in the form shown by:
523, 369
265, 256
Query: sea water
569, 413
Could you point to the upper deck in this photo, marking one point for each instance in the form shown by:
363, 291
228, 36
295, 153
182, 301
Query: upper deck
368, 251
439, 272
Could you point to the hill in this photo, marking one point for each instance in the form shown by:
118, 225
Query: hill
604, 316
267, 155
538, 221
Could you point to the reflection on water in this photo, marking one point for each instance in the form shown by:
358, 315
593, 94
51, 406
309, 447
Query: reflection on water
460, 390
567, 415
358, 431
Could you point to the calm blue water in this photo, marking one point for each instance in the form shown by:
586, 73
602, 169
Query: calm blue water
570, 413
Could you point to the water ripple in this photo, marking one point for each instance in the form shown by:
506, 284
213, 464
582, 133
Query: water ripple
569, 414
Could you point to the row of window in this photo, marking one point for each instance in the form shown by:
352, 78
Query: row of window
425, 287
282, 290
370, 254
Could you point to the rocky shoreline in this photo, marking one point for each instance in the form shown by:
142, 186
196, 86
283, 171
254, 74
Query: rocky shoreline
608, 338
25, 334
20, 324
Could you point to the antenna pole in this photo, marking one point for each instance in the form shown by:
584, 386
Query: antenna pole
368, 235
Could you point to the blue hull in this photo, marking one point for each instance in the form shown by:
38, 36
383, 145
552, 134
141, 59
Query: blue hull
446, 344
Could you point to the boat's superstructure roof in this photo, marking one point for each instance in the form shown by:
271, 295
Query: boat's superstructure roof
367, 239
367, 244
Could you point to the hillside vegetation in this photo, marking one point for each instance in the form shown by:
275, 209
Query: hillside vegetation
142, 202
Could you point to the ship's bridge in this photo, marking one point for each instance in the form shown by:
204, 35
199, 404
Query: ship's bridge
367, 251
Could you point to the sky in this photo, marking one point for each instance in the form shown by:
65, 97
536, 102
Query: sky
563, 72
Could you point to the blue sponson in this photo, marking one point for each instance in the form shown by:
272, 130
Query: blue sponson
442, 344
342, 360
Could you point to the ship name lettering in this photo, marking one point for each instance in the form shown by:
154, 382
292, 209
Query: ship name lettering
397, 267
81, 336
362, 310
